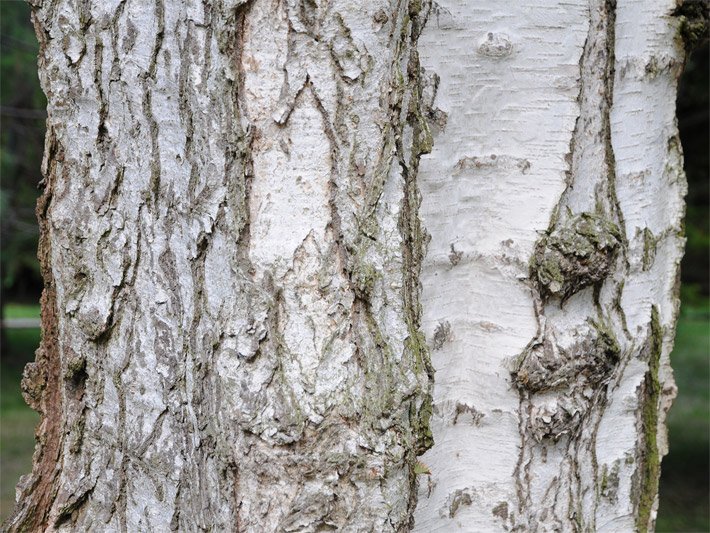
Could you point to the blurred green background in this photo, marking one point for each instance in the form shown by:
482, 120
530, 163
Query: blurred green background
685, 479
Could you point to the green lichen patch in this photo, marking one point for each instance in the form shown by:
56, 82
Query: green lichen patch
694, 20
649, 248
421, 425
649, 464
574, 255
609, 485
364, 277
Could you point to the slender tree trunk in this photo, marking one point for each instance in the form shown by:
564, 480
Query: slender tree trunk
232, 251
553, 196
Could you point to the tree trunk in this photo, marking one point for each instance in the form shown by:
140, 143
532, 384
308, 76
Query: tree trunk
232, 251
553, 196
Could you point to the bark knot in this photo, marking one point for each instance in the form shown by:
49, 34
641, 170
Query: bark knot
574, 255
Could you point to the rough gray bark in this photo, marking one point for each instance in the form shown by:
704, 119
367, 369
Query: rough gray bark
231, 249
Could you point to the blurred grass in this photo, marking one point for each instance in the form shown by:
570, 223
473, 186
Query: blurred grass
17, 420
684, 481
22, 311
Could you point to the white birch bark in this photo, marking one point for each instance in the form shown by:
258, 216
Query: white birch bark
231, 248
553, 196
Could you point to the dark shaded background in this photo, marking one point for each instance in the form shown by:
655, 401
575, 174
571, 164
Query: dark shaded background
685, 478
22, 114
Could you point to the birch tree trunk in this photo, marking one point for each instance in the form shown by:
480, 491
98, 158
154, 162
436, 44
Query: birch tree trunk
235, 308
554, 198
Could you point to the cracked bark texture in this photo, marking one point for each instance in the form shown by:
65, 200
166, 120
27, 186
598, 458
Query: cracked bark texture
554, 198
231, 250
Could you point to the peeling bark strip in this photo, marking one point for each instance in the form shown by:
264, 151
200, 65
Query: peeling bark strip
41, 379
231, 251
555, 320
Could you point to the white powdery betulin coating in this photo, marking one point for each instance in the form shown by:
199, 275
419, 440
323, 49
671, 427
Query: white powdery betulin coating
534, 135
231, 218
